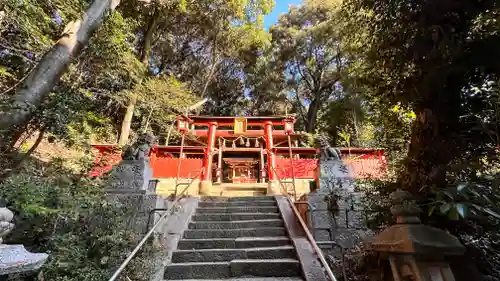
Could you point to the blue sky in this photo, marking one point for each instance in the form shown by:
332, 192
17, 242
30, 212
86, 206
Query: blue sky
280, 7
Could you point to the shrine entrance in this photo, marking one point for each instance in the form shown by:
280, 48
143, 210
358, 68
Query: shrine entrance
240, 168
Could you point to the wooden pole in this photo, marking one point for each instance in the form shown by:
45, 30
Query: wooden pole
261, 165
219, 164
207, 164
268, 131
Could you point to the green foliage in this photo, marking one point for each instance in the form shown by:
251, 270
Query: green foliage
68, 216
466, 200
111, 55
418, 79
160, 100
307, 49
37, 23
78, 110
424, 64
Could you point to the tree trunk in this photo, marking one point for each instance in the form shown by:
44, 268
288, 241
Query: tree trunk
215, 59
46, 74
167, 141
146, 46
33, 147
127, 121
15, 138
145, 129
20, 161
355, 124
210, 75
129, 115
312, 115
430, 152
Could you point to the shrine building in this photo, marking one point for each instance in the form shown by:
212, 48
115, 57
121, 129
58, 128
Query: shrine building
240, 156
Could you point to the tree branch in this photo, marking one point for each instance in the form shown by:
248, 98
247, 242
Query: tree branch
18, 51
18, 82
302, 75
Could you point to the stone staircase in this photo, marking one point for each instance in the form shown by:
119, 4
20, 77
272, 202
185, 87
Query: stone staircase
237, 238
240, 189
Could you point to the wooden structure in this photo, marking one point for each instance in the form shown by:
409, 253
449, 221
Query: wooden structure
237, 149
242, 170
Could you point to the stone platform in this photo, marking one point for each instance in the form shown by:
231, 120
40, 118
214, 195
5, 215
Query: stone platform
16, 259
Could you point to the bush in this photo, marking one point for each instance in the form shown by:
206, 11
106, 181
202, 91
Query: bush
67, 216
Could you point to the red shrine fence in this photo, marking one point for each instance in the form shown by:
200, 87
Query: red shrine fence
167, 167
360, 165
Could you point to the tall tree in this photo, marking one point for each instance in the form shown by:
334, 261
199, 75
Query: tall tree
308, 43
265, 86
201, 42
30, 95
427, 56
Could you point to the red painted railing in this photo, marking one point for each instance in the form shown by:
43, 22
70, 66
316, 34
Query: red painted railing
362, 165
167, 167
303, 168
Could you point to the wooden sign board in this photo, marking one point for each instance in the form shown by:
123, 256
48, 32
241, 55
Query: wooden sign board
240, 125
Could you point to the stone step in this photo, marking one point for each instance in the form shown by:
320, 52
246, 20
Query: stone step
235, 268
235, 216
251, 279
232, 243
234, 233
255, 185
236, 224
237, 199
215, 255
226, 204
242, 193
254, 209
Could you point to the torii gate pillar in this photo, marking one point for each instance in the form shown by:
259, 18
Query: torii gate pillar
206, 176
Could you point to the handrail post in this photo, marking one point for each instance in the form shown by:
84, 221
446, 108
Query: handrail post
291, 166
179, 162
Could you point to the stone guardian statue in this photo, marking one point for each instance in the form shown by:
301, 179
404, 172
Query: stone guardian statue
140, 149
327, 152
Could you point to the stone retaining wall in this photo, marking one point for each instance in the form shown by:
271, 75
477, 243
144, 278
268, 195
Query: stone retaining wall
129, 185
344, 223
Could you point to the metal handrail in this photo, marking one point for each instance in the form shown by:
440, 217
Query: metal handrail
268, 151
309, 236
290, 155
151, 231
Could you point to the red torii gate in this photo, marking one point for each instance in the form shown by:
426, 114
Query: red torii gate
361, 162
272, 137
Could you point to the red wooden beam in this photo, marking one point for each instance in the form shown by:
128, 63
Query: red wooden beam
296, 150
107, 148
361, 150
176, 149
248, 133
229, 120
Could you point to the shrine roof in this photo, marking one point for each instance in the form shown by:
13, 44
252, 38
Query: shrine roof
230, 119
208, 117
277, 134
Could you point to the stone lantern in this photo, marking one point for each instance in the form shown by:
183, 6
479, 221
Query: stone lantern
15, 259
415, 251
